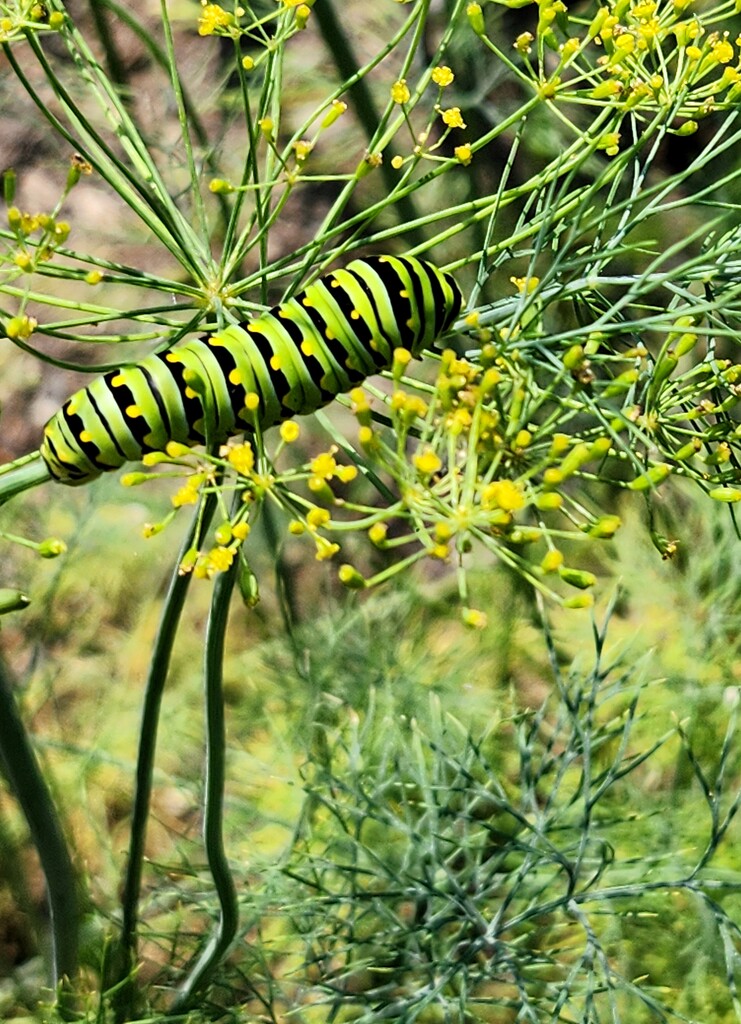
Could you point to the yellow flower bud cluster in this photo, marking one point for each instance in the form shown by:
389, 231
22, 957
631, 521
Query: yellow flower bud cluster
51, 233
634, 54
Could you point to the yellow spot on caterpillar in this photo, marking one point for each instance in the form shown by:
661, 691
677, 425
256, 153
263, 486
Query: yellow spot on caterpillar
190, 376
73, 405
118, 380
307, 301
190, 393
307, 347
198, 425
334, 283
329, 334
85, 436
235, 377
275, 362
251, 401
216, 341
173, 357
404, 293
133, 411
354, 315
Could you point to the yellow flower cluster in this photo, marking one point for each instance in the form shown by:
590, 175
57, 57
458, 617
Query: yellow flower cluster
632, 55
471, 473
451, 117
214, 20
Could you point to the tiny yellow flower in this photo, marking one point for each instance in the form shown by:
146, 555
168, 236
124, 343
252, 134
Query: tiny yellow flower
452, 117
336, 110
325, 549
525, 285
240, 531
439, 551
317, 517
242, 458
296, 527
610, 142
187, 495
442, 76
21, 327
289, 431
427, 462
552, 561
220, 187
473, 618
377, 534
402, 359
722, 51
347, 473
324, 466
350, 577
464, 154
503, 494
400, 91
220, 559
176, 450
301, 149
303, 12
213, 18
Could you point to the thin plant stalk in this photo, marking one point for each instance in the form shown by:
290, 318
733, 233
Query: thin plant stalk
213, 822
21, 767
123, 961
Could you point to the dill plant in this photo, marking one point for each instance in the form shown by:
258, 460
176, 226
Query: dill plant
594, 356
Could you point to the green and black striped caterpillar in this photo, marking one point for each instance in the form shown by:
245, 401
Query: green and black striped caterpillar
292, 360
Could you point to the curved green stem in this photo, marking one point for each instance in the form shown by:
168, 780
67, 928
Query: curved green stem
213, 822
26, 778
123, 960
21, 475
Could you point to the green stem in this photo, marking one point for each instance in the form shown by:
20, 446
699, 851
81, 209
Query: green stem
213, 822
22, 769
123, 960
21, 475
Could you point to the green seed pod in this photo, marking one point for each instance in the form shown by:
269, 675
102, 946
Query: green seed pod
52, 547
248, 586
223, 533
728, 494
664, 369
605, 527
12, 600
651, 478
621, 383
9, 186
350, 577
579, 578
688, 450
476, 19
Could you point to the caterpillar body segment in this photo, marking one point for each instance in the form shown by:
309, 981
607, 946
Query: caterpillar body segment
292, 360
